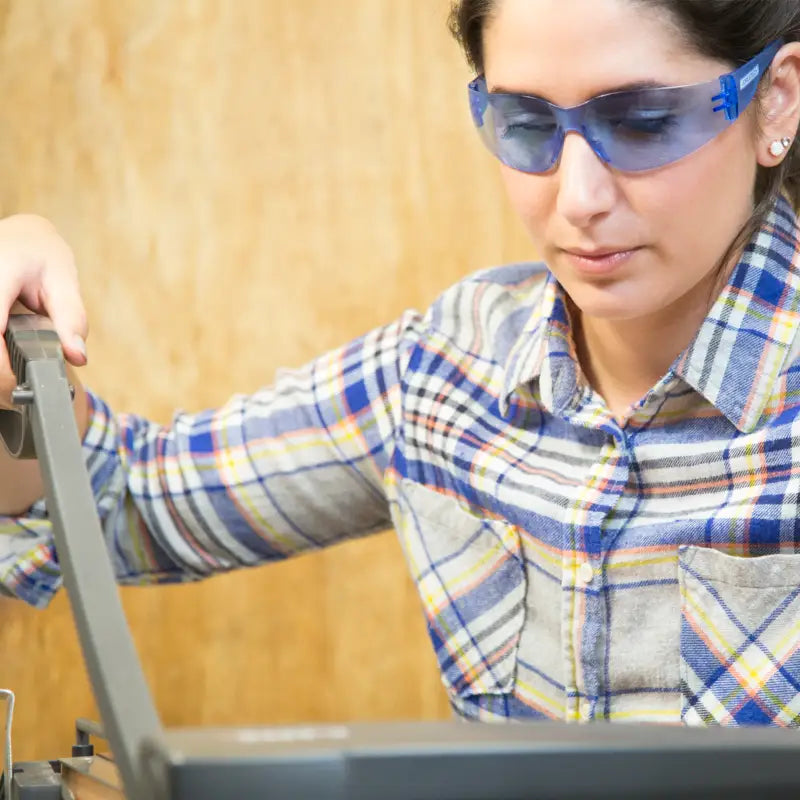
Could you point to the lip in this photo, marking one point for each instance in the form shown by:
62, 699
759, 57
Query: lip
599, 252
601, 261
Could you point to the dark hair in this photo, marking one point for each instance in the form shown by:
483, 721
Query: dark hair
729, 30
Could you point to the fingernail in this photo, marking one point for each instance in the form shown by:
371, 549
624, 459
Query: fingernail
80, 345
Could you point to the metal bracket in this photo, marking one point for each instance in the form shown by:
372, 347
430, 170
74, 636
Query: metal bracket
28, 337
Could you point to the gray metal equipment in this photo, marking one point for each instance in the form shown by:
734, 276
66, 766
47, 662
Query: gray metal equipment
397, 761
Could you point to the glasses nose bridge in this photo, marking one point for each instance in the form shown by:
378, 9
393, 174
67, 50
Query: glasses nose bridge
573, 120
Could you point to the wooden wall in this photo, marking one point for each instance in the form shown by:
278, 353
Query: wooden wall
245, 184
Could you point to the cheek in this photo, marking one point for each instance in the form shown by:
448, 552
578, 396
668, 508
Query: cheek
529, 197
697, 206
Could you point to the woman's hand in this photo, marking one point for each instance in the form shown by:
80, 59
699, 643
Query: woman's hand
38, 274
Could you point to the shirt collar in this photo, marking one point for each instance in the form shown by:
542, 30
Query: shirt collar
743, 344
545, 351
733, 361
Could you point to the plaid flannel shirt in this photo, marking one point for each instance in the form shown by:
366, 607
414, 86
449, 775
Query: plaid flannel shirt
569, 567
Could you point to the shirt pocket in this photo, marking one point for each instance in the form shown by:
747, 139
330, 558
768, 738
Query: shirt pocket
740, 638
470, 575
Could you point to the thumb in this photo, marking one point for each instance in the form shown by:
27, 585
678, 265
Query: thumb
62, 303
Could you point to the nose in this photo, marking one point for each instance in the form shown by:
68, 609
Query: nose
586, 186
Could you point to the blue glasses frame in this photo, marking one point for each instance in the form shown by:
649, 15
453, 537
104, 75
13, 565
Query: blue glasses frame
632, 130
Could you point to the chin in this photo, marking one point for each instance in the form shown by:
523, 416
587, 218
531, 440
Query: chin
614, 314
611, 302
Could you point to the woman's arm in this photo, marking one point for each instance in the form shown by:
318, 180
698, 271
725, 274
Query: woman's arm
296, 466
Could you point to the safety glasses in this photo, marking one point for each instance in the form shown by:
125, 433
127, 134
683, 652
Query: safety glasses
630, 130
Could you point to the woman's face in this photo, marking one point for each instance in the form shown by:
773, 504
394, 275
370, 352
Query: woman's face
679, 219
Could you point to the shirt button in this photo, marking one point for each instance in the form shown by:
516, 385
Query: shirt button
585, 710
585, 573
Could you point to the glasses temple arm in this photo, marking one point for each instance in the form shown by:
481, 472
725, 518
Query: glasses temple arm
739, 87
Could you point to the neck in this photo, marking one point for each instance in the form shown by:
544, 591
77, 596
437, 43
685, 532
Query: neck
623, 359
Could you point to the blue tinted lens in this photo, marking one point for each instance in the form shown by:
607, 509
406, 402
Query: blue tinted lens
521, 131
654, 127
632, 131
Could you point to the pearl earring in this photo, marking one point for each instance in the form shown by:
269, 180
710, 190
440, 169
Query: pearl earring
780, 146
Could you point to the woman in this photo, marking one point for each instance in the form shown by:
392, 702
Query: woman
589, 461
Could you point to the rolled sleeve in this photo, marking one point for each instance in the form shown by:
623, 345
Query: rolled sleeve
295, 466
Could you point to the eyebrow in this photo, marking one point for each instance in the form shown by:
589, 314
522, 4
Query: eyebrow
633, 86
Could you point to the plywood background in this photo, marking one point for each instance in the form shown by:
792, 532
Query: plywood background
245, 184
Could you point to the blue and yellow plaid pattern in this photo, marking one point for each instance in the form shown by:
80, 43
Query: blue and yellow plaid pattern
569, 566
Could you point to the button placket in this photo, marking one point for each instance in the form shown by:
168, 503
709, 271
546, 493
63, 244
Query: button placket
585, 612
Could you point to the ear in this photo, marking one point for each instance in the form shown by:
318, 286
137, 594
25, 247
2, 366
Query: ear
780, 107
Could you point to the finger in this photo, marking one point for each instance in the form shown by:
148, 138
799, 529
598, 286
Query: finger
9, 291
8, 381
61, 300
